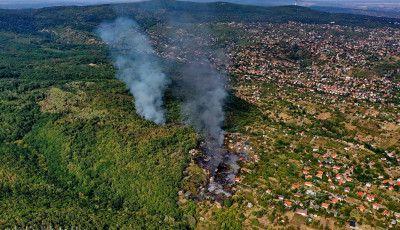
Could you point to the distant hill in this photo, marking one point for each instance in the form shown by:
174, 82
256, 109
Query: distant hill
376, 13
88, 17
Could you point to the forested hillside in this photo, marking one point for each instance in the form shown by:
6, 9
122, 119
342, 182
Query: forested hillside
73, 150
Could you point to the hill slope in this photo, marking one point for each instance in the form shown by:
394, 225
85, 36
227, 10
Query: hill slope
73, 150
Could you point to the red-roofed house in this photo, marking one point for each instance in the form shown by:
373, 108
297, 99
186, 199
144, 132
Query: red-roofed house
288, 204
370, 198
334, 201
301, 212
295, 186
387, 181
386, 213
336, 167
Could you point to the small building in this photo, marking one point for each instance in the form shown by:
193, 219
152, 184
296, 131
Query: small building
386, 213
298, 194
288, 204
370, 198
295, 186
325, 205
301, 212
334, 201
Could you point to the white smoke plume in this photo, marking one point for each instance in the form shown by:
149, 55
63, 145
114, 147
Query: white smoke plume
137, 65
203, 101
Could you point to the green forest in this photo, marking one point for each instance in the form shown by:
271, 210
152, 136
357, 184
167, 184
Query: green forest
73, 151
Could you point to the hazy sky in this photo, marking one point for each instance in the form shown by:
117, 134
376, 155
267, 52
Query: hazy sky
243, 1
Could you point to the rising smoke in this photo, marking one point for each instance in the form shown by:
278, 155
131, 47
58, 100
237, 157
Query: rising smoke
203, 101
202, 89
137, 65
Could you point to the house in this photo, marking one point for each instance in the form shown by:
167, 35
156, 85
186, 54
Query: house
347, 189
336, 167
306, 172
295, 186
314, 206
334, 201
360, 194
250, 205
268, 191
288, 204
329, 161
280, 197
237, 179
361, 208
387, 181
301, 212
218, 205
370, 198
311, 193
353, 224
386, 213
309, 184
325, 205
298, 194
376, 206
340, 198
256, 158
246, 170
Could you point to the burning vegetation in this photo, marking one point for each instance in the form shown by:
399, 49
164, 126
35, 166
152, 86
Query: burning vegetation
209, 181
